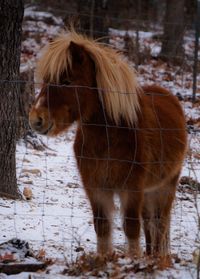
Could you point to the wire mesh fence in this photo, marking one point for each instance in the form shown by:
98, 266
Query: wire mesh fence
55, 216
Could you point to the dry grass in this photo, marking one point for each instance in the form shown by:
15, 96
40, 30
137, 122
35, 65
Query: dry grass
115, 265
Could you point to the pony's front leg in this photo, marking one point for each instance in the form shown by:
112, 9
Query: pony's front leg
132, 205
102, 206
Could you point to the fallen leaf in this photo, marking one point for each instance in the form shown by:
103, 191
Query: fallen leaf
33, 171
27, 193
41, 254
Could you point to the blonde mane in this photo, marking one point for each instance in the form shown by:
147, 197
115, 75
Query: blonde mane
114, 77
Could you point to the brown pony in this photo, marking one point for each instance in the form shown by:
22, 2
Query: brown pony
130, 141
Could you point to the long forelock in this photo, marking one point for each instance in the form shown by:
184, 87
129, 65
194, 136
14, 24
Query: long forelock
55, 60
116, 80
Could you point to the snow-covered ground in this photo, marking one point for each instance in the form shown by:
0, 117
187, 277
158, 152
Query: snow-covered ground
56, 221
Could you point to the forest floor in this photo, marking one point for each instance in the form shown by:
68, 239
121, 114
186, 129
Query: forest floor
53, 222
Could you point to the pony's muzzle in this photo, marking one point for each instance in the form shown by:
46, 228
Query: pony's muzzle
40, 125
40, 121
36, 123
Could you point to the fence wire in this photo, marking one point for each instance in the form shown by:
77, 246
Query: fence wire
57, 218
72, 229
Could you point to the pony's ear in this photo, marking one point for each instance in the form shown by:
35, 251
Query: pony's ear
77, 53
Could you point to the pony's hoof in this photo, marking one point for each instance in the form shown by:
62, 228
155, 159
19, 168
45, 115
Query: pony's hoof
134, 253
134, 250
104, 246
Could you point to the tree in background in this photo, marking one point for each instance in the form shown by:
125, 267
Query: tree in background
190, 10
11, 15
93, 17
174, 27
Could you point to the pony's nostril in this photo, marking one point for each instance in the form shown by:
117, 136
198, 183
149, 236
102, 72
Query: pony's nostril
38, 123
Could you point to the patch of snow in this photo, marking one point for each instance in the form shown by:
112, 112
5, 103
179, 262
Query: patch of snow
31, 13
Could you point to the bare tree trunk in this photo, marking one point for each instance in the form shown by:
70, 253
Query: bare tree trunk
11, 15
26, 99
172, 45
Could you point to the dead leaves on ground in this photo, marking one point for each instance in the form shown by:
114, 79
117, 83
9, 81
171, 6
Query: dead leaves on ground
115, 265
190, 183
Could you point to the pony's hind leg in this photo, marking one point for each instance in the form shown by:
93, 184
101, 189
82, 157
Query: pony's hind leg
147, 216
131, 203
102, 206
156, 218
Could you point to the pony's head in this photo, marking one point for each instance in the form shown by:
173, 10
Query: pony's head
70, 68
66, 71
